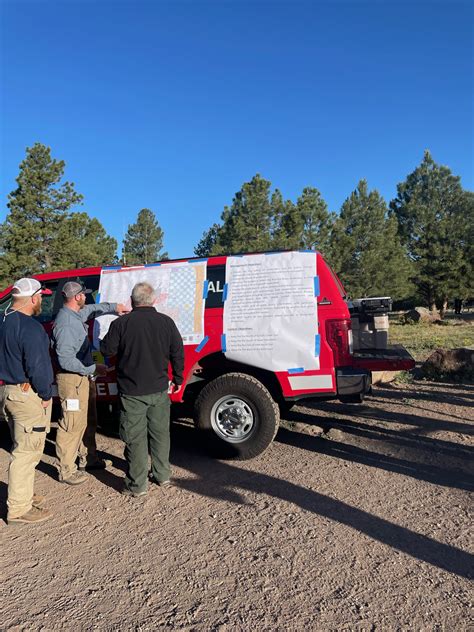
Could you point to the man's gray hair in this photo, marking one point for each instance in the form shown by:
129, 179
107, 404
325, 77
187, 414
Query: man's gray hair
143, 294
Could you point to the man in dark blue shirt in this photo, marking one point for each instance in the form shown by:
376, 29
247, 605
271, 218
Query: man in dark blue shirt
26, 378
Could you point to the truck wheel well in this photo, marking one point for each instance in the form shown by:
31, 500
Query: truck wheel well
217, 364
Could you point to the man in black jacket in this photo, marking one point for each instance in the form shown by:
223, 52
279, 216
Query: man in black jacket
26, 378
145, 342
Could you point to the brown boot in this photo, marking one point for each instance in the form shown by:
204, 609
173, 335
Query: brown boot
38, 500
75, 479
35, 514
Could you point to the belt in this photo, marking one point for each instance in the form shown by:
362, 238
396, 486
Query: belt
70, 373
25, 387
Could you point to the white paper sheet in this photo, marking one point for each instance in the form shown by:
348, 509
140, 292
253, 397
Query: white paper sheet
270, 312
179, 290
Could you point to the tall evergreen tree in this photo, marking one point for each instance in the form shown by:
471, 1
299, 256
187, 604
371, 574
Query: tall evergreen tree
282, 237
82, 241
435, 217
316, 221
37, 208
247, 223
365, 249
207, 242
144, 240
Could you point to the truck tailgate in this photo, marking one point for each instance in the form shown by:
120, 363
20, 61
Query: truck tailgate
394, 358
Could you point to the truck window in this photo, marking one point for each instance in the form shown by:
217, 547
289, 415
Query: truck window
91, 282
49, 307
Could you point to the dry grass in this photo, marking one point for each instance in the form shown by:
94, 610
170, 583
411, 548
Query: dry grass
421, 339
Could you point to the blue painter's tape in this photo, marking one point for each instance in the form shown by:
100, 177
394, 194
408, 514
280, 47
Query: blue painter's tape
316, 286
112, 268
205, 288
223, 343
197, 260
203, 342
97, 298
224, 292
152, 265
298, 370
317, 345
311, 251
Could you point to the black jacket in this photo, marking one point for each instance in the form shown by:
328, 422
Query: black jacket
145, 342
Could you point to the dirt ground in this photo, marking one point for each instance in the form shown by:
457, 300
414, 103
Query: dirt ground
365, 527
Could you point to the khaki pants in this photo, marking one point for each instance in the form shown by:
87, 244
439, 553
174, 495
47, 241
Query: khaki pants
76, 430
29, 423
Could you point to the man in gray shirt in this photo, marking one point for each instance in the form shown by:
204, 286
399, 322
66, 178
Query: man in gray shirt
75, 379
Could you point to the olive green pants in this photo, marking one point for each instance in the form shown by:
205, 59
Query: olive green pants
145, 426
29, 423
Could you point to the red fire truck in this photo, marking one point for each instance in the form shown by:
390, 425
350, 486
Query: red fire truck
237, 401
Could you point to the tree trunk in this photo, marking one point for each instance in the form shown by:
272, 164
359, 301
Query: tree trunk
444, 307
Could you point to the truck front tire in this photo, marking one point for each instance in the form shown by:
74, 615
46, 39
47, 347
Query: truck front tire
237, 416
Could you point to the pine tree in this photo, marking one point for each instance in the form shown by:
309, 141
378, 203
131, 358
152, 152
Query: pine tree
38, 207
81, 242
247, 223
435, 217
208, 241
143, 241
365, 249
316, 221
282, 238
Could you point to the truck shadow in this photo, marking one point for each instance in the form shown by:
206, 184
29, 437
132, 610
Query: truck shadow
372, 440
226, 481
447, 477
376, 412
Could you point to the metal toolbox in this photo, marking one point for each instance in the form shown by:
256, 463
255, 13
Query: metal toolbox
369, 319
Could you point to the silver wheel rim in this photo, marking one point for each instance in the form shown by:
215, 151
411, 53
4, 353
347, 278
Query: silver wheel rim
232, 419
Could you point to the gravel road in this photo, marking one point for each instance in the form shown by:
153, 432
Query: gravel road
356, 518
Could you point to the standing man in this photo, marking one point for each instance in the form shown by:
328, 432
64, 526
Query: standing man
145, 342
26, 377
76, 370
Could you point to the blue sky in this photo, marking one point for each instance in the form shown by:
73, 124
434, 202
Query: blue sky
173, 105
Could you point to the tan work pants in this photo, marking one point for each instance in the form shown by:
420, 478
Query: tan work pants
29, 423
77, 428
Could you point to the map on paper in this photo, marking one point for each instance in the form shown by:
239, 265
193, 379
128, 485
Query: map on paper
179, 292
270, 311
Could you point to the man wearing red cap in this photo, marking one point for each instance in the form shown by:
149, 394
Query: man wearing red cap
26, 378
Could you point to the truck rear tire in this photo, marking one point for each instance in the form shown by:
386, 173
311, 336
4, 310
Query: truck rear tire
236, 416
